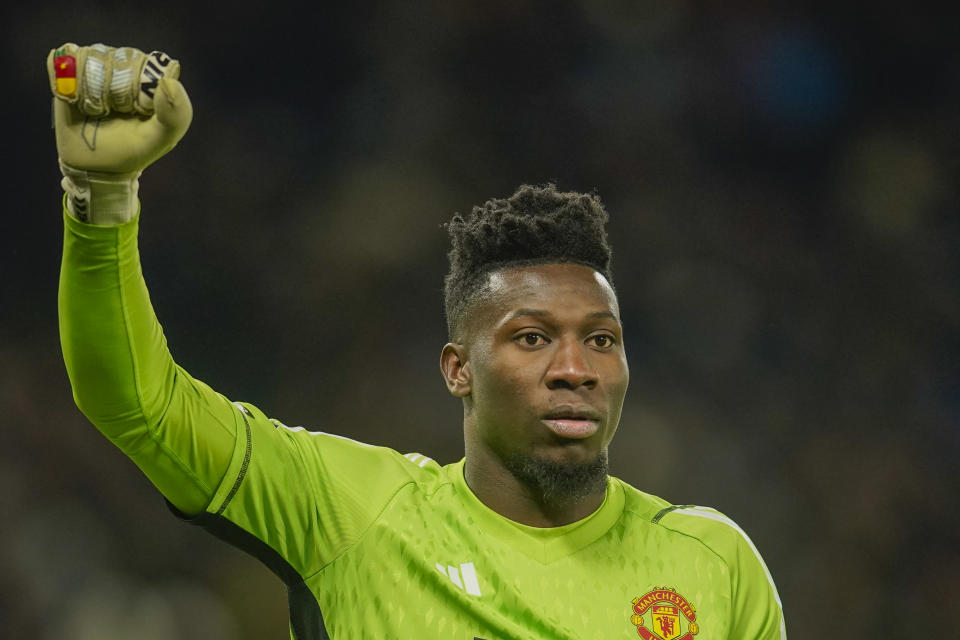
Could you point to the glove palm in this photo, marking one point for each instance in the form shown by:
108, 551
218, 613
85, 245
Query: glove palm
122, 143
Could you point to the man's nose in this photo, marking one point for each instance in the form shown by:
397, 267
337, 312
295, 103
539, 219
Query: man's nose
570, 366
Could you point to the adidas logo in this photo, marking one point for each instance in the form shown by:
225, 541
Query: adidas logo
465, 577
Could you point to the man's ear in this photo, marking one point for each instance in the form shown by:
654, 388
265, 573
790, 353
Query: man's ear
455, 367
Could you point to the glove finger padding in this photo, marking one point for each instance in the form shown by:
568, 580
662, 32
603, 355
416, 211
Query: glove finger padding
99, 79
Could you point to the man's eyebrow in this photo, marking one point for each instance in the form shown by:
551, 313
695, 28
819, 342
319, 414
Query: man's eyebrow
537, 313
542, 313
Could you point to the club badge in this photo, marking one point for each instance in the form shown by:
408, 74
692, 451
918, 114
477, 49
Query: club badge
662, 614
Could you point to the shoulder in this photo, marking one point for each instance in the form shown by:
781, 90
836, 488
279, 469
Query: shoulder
344, 457
757, 606
758, 611
726, 539
710, 528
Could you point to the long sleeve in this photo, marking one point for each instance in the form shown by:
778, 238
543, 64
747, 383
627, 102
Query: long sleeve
178, 430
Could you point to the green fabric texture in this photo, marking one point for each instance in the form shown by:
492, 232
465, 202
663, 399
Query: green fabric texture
176, 429
386, 545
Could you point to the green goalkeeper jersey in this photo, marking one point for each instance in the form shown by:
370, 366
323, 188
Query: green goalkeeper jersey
375, 544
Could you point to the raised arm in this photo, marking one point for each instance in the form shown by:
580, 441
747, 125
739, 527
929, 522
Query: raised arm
115, 112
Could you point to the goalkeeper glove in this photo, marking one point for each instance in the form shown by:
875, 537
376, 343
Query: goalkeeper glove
115, 111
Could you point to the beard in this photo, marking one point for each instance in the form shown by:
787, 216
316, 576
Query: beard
558, 484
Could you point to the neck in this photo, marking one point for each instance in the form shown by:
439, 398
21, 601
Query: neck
514, 496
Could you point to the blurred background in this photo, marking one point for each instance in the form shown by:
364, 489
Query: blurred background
782, 189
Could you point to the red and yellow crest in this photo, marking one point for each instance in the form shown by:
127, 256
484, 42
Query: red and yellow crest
662, 613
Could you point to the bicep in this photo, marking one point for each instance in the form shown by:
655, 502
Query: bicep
188, 451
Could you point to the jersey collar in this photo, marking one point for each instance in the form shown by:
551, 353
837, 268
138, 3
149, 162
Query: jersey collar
545, 545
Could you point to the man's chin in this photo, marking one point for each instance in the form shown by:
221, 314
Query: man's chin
560, 479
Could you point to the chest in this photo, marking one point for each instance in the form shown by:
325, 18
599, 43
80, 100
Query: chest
439, 576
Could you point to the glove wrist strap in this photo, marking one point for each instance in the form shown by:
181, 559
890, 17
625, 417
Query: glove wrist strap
105, 199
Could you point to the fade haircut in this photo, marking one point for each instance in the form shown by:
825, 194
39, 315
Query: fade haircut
536, 225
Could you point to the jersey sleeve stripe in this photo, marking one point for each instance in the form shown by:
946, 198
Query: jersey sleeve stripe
244, 412
418, 459
704, 512
672, 507
320, 433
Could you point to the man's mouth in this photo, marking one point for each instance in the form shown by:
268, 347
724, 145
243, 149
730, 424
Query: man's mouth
572, 422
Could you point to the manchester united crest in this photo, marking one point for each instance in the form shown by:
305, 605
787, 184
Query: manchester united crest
664, 614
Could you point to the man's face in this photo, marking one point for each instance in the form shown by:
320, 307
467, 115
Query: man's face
547, 368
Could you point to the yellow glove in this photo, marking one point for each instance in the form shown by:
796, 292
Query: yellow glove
116, 111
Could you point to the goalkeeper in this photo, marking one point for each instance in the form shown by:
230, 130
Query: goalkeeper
526, 537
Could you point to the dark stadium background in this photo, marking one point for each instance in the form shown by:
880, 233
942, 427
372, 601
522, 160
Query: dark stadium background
783, 198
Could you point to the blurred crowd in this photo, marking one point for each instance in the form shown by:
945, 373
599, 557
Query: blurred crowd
782, 193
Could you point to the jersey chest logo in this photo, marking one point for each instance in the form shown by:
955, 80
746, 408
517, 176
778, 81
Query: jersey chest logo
468, 582
662, 613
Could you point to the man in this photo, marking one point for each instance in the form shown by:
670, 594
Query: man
526, 537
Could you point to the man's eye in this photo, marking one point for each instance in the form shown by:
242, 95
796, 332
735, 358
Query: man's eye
602, 341
532, 339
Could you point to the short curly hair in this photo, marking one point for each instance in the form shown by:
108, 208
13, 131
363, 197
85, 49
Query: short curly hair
536, 225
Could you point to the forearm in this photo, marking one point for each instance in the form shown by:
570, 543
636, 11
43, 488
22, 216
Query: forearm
178, 431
